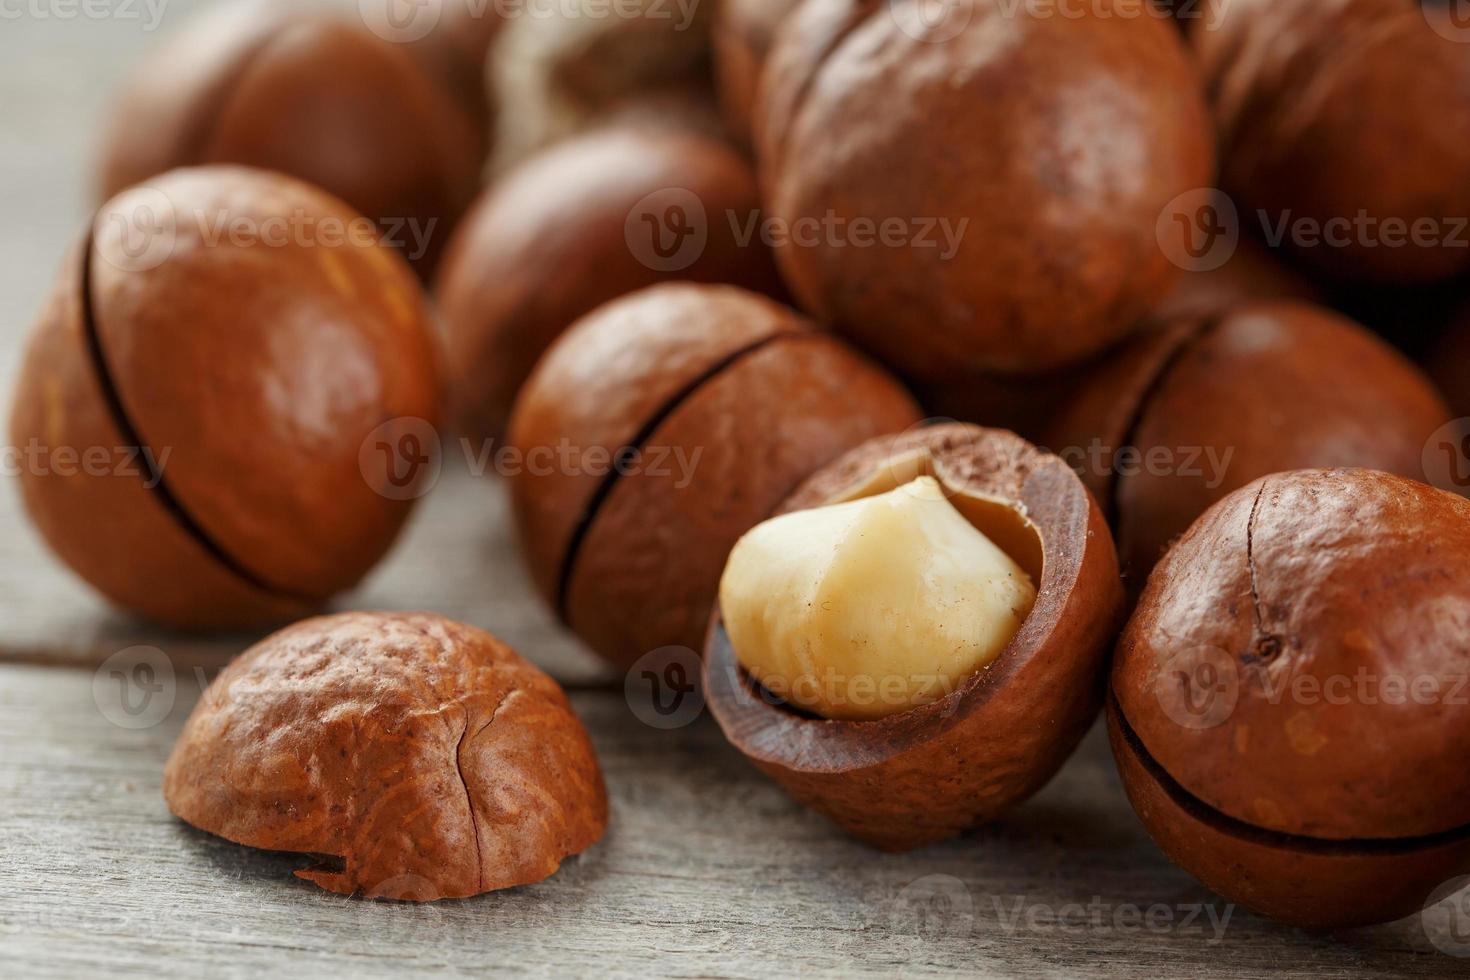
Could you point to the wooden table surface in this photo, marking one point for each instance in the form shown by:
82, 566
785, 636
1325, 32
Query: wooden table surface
707, 869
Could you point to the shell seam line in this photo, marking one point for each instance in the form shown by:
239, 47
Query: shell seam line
634, 446
163, 493
1236, 827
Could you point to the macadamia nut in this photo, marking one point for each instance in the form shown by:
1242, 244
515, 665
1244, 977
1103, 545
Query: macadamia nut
862, 609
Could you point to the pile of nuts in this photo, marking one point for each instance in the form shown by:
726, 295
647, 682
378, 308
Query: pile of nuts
1171, 478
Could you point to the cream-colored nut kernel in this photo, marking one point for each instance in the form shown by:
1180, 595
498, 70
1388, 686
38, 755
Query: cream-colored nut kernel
867, 608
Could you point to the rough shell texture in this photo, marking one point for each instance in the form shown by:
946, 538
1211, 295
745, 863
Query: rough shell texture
1341, 109
1352, 575
727, 400
744, 31
252, 373
936, 770
311, 95
423, 758
1208, 406
1048, 146
1303, 882
554, 238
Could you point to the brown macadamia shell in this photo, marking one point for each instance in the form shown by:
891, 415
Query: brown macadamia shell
423, 758
933, 771
306, 93
740, 399
1341, 111
252, 373
1252, 274
554, 238
1219, 402
1031, 404
1255, 713
1048, 147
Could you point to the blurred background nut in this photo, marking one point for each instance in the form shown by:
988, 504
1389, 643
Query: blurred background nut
415, 757
714, 402
1184, 415
1048, 145
744, 31
1345, 111
1333, 605
560, 66
314, 94
1001, 729
250, 371
579, 224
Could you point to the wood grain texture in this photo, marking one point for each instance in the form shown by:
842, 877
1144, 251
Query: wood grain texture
707, 870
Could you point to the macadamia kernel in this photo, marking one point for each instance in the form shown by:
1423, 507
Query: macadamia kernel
867, 608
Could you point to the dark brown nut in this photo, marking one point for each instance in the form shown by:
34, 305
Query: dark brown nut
305, 93
934, 770
1450, 364
455, 49
1288, 711
1186, 414
1030, 404
1252, 274
659, 429
420, 758
247, 374
744, 31
1334, 119
569, 229
1011, 177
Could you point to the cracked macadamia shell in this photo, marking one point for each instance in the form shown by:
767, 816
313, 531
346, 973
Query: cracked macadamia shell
1347, 111
713, 402
554, 238
1019, 162
1204, 406
1290, 710
311, 94
252, 371
422, 758
933, 771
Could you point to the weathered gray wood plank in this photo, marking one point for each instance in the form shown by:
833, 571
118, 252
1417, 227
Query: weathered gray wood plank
708, 870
